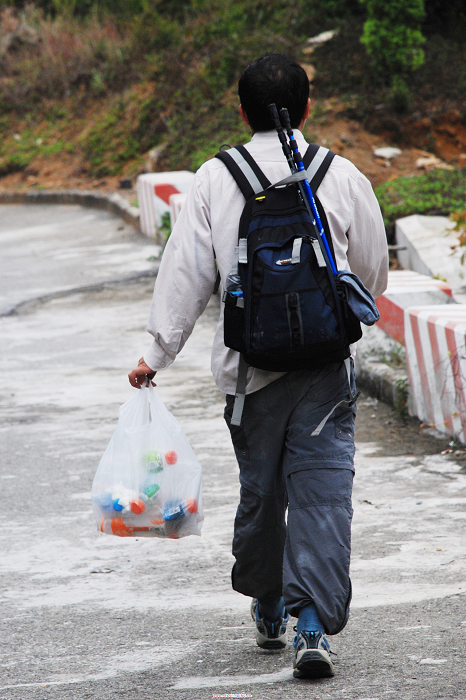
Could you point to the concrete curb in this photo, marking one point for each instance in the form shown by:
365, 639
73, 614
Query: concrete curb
60, 293
375, 356
95, 200
385, 383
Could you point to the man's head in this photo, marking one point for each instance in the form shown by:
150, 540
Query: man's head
273, 78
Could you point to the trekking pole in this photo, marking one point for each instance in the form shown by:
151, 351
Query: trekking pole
288, 154
273, 111
296, 165
305, 186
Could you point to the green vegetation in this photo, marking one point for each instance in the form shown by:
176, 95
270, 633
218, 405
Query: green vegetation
17, 150
166, 228
395, 357
393, 39
118, 77
401, 397
111, 142
459, 217
435, 192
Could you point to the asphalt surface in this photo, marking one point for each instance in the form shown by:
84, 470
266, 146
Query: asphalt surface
85, 615
76, 248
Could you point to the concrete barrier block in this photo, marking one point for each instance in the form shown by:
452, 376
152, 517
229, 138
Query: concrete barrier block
431, 248
405, 289
154, 191
175, 202
436, 353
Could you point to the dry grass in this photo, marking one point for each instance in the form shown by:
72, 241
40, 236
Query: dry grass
47, 58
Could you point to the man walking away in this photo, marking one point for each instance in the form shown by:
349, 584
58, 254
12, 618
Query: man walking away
295, 441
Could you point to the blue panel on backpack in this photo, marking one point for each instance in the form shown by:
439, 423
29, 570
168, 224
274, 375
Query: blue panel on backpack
293, 278
272, 256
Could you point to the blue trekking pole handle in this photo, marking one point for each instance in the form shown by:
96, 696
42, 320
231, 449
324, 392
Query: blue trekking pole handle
284, 116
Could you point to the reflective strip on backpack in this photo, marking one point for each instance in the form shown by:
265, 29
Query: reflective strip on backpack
246, 169
243, 250
319, 255
316, 162
296, 254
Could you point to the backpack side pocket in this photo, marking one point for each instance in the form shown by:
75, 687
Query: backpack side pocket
233, 322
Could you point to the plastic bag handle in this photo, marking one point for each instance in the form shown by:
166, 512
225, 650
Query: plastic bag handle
152, 402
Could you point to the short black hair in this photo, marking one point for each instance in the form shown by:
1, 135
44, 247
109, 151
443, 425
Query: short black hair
273, 78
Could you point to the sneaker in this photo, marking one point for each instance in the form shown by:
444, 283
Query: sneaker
312, 658
269, 635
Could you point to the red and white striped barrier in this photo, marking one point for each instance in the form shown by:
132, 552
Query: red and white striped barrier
405, 289
154, 191
176, 201
435, 339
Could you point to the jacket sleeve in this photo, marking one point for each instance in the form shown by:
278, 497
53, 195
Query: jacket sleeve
367, 240
185, 279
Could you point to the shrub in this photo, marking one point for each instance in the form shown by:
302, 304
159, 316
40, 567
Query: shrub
436, 192
393, 39
129, 127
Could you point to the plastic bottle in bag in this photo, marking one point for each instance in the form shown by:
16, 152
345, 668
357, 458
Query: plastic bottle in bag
233, 285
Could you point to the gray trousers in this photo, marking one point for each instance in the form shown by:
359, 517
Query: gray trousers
306, 558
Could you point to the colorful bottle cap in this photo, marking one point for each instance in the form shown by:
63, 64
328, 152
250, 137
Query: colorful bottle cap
171, 457
137, 506
191, 505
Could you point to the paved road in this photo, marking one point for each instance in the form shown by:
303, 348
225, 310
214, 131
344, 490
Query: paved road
74, 247
85, 615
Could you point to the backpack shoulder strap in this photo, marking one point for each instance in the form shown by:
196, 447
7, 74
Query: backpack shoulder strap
317, 161
244, 169
309, 155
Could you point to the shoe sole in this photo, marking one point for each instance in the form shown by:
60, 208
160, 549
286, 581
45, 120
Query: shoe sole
313, 663
267, 643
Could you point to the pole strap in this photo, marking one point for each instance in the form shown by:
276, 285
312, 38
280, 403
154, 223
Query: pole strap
240, 394
296, 177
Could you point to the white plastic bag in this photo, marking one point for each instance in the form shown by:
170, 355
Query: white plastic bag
148, 482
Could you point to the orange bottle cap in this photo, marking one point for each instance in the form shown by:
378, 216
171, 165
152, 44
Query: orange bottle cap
171, 457
137, 506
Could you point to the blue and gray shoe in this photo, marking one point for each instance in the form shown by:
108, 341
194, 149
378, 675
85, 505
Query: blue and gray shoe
312, 658
269, 635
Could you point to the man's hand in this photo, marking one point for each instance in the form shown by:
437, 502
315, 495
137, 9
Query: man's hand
141, 375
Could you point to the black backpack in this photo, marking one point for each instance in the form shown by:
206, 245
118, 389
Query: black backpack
283, 308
